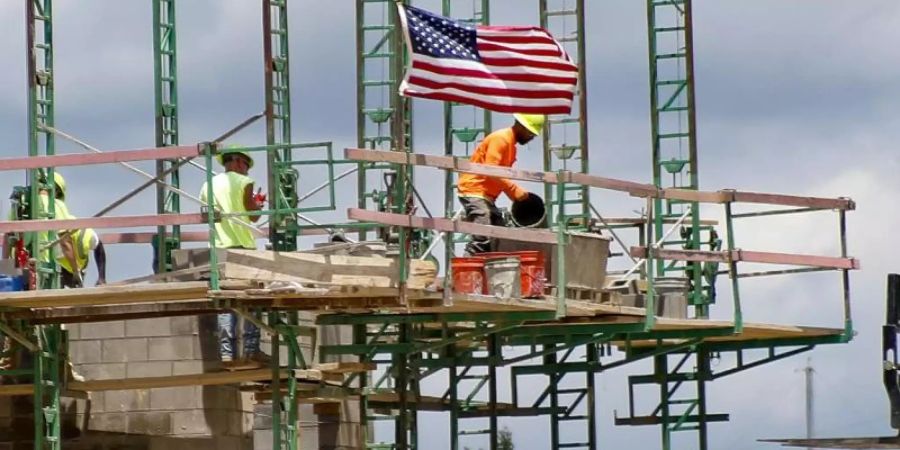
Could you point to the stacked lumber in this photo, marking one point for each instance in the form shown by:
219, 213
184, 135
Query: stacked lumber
308, 268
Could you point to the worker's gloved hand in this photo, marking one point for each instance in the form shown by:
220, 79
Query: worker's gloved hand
521, 195
260, 198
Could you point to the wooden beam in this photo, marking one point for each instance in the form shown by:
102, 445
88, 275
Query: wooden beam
632, 188
84, 159
105, 295
448, 163
789, 259
199, 379
451, 226
792, 200
23, 226
186, 236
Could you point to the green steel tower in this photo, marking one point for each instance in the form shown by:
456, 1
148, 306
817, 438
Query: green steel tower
49, 342
282, 175
165, 76
565, 138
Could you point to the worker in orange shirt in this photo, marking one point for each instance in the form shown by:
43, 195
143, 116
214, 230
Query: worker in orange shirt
478, 193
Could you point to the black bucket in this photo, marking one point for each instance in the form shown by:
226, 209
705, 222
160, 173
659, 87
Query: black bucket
529, 213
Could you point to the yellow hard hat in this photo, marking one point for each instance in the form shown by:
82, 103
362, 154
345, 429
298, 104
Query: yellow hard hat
234, 149
532, 122
60, 182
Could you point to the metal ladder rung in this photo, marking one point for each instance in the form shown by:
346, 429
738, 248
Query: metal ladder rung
670, 82
473, 432
570, 418
561, 12
674, 109
668, 29
378, 28
671, 55
571, 391
669, 3
378, 83
674, 135
378, 55
573, 445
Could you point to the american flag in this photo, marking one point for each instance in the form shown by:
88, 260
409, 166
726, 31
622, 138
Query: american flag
504, 69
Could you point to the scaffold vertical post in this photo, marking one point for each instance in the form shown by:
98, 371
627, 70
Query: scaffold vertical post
165, 77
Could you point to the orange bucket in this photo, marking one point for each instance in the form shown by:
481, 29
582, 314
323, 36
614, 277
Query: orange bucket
468, 275
533, 273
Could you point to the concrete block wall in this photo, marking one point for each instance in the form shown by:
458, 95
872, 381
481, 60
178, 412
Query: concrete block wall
189, 418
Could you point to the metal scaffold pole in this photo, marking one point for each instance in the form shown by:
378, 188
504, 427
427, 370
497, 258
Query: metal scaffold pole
165, 77
565, 139
674, 140
282, 176
49, 338
464, 124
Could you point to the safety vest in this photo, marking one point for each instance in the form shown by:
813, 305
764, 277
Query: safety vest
61, 211
81, 241
228, 197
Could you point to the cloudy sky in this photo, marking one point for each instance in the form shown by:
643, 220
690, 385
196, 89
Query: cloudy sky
793, 96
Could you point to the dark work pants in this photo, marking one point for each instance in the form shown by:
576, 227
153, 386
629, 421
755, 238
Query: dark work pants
483, 212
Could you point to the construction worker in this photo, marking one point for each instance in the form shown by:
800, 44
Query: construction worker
233, 193
73, 259
478, 193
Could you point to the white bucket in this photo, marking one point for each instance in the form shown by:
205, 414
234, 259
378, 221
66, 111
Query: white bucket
504, 278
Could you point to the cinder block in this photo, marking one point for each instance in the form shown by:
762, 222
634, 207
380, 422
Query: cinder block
125, 350
104, 330
127, 401
220, 397
171, 348
184, 326
95, 403
74, 330
152, 423
148, 327
229, 442
175, 398
187, 367
195, 422
113, 423
103, 371
148, 369
85, 352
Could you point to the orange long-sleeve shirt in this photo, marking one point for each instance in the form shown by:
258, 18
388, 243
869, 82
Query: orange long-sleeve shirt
497, 149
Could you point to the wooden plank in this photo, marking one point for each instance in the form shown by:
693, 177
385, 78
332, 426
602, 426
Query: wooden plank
114, 156
793, 200
310, 268
186, 236
798, 260
788, 259
683, 255
345, 367
21, 226
87, 314
448, 163
451, 226
199, 379
105, 295
695, 196
635, 189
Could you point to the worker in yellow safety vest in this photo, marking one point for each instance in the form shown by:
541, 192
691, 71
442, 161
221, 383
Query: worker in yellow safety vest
478, 193
233, 193
73, 259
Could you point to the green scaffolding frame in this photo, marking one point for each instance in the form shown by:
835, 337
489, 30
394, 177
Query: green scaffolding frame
405, 350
